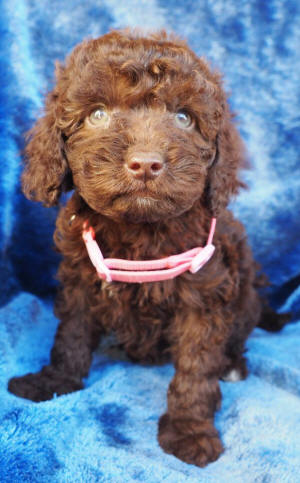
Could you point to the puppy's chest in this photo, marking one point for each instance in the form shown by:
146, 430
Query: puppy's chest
156, 294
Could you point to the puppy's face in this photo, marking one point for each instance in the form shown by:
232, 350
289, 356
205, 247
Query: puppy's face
141, 136
136, 122
141, 163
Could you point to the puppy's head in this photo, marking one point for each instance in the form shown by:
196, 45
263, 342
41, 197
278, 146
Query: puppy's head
139, 126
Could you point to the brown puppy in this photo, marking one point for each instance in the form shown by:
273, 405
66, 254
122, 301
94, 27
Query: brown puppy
140, 128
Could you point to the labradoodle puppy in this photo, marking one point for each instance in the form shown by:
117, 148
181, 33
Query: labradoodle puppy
139, 128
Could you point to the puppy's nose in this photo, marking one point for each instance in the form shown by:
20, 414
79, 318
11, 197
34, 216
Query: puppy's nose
145, 165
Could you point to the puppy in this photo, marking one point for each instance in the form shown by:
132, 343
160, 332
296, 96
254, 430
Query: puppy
140, 129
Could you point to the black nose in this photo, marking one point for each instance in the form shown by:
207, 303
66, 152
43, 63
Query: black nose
145, 166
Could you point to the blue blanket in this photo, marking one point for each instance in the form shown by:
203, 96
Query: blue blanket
107, 432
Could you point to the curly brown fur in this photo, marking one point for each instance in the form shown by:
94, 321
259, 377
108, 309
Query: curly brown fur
199, 320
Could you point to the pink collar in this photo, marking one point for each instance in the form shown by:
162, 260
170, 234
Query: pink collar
149, 270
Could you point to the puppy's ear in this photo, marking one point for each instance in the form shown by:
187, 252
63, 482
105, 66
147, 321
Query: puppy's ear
46, 172
222, 181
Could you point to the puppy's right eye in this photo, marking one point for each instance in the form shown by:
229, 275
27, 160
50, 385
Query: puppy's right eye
99, 118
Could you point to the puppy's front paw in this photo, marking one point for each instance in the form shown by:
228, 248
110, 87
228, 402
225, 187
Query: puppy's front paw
197, 445
43, 385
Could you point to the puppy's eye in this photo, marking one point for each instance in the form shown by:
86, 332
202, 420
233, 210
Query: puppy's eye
183, 119
99, 118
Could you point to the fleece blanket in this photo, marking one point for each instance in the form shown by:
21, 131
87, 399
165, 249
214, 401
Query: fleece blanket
107, 431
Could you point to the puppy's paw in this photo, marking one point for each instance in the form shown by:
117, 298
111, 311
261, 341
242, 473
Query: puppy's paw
197, 444
43, 385
232, 375
236, 371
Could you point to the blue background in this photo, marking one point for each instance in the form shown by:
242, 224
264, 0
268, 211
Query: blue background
107, 432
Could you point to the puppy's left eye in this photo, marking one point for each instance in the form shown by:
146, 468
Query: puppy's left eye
183, 119
99, 118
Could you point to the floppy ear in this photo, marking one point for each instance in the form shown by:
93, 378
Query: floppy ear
46, 172
223, 182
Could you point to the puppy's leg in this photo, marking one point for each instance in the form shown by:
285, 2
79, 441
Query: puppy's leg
76, 338
236, 368
187, 429
246, 319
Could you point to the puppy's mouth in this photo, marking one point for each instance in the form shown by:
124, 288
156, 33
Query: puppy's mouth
136, 193
137, 202
143, 207
142, 202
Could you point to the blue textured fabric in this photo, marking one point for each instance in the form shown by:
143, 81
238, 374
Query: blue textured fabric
107, 432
